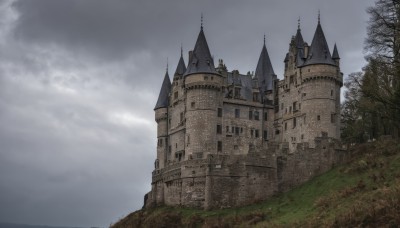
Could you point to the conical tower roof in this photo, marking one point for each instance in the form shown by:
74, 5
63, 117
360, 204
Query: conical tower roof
319, 51
264, 71
299, 39
201, 60
163, 100
181, 68
335, 54
299, 42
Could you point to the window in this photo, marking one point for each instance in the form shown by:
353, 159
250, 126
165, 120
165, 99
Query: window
176, 95
257, 134
285, 126
219, 112
302, 137
227, 128
265, 116
255, 97
294, 106
250, 115
318, 117
294, 122
206, 78
193, 104
161, 142
331, 92
277, 132
237, 113
236, 130
176, 145
290, 109
219, 146
256, 115
237, 93
219, 129
333, 118
251, 133
265, 135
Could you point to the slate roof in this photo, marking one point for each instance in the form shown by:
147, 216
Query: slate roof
163, 100
181, 68
264, 71
246, 84
201, 60
299, 41
319, 50
335, 54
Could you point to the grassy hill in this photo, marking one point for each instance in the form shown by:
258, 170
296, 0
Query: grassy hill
363, 193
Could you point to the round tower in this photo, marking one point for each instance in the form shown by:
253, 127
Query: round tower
203, 99
161, 117
320, 95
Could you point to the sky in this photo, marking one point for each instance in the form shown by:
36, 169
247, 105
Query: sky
79, 80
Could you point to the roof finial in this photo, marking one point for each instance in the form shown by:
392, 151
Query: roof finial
298, 23
264, 38
201, 27
167, 65
319, 16
181, 50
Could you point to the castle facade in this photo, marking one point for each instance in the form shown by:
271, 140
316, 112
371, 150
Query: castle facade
227, 139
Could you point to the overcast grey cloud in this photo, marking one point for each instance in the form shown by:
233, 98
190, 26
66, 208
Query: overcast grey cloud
79, 80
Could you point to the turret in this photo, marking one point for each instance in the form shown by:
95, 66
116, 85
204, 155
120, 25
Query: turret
161, 117
335, 55
320, 99
265, 73
180, 68
203, 98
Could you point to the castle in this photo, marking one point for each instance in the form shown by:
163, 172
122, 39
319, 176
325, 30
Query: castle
228, 139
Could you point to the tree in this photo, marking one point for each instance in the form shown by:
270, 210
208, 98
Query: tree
381, 80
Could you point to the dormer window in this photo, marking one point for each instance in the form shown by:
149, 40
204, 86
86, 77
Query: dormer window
237, 93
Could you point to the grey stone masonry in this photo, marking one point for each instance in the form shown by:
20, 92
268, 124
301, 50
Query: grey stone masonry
228, 139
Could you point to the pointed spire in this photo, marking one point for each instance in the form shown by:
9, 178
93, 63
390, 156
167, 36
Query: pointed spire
264, 71
319, 51
335, 54
201, 60
299, 39
163, 100
181, 68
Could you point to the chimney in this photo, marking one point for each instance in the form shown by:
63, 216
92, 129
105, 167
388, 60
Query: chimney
306, 47
190, 57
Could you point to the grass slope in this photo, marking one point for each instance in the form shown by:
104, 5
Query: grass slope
363, 193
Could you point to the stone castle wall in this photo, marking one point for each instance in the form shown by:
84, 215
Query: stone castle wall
223, 181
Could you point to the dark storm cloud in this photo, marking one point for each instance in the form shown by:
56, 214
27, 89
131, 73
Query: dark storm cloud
79, 80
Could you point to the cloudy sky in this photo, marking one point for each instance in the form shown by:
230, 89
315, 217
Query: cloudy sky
79, 81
